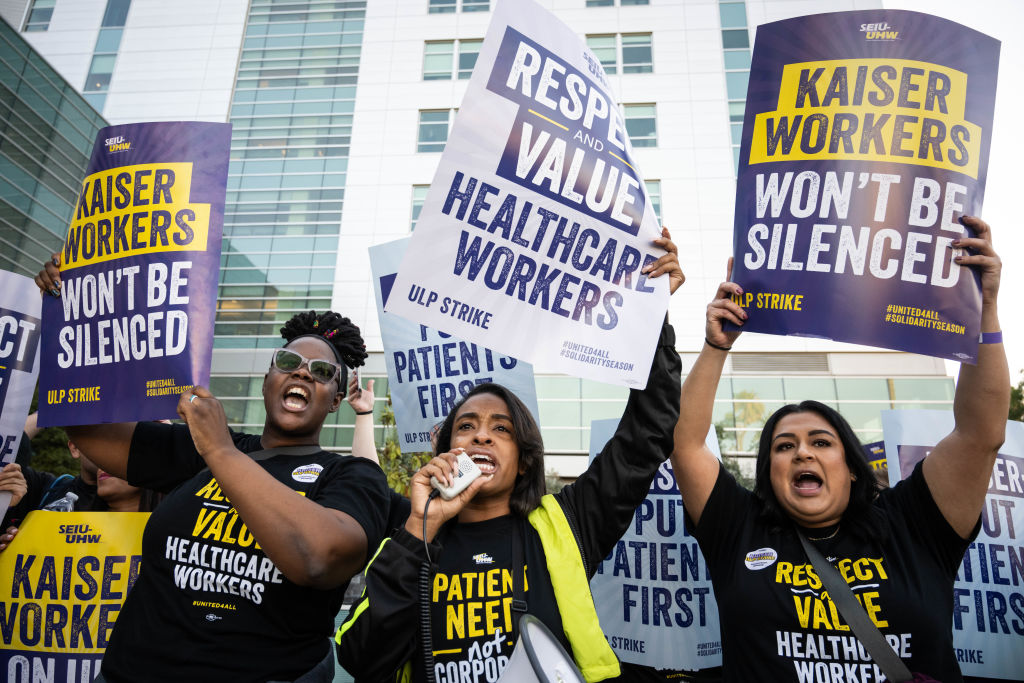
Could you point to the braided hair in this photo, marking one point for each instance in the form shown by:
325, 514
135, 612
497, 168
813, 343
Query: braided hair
335, 329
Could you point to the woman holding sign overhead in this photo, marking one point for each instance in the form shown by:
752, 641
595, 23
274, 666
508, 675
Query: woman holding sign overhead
466, 569
787, 616
247, 558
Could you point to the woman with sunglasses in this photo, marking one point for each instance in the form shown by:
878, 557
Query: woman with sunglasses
247, 558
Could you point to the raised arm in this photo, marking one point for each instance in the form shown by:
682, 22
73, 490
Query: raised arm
361, 400
106, 445
311, 544
602, 501
695, 466
958, 469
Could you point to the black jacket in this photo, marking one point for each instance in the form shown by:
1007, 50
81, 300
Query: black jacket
381, 632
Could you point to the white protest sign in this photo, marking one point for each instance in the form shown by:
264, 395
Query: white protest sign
537, 225
988, 596
429, 371
653, 592
19, 362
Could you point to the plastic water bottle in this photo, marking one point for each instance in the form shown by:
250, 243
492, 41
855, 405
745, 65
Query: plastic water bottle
65, 504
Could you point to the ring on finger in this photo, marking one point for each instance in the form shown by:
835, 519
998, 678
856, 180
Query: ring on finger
192, 398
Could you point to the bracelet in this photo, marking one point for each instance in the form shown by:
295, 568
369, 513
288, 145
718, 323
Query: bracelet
716, 346
990, 338
364, 412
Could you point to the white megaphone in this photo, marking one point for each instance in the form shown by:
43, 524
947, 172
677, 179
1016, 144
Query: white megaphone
539, 657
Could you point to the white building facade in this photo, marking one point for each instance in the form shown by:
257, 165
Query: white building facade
339, 109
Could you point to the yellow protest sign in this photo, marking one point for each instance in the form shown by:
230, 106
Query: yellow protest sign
62, 583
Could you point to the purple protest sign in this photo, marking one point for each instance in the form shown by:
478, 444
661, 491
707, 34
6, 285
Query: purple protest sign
866, 136
133, 327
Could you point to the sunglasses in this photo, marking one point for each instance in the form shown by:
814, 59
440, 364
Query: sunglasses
287, 360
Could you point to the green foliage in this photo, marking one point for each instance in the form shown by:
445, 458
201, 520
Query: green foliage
1017, 400
51, 449
732, 466
398, 466
552, 482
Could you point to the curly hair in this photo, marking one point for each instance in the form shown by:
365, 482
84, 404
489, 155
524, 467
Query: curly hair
335, 329
529, 486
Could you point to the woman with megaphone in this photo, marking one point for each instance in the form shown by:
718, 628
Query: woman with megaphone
444, 595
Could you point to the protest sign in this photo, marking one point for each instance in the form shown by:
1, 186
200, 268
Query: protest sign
133, 326
19, 362
653, 592
429, 371
536, 228
988, 596
874, 453
861, 149
65, 577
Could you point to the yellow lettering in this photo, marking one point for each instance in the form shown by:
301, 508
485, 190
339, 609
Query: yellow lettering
868, 600
474, 618
821, 616
491, 615
784, 572
211, 491
861, 569
455, 626
205, 515
228, 538
878, 567
216, 528
454, 589
492, 586
440, 585
803, 609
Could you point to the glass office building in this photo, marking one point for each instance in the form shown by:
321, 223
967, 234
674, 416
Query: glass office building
340, 110
46, 135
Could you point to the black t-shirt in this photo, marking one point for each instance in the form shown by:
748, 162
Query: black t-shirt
778, 626
209, 604
471, 609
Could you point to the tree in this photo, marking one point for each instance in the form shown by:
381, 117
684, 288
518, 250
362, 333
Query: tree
50, 448
1017, 400
398, 466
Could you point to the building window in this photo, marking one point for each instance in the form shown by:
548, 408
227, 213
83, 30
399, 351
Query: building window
419, 195
116, 13
441, 6
736, 59
39, 15
641, 124
437, 60
451, 6
604, 49
438, 56
633, 51
99, 73
469, 50
654, 192
97, 82
434, 125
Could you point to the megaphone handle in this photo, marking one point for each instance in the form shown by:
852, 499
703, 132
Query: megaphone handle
426, 637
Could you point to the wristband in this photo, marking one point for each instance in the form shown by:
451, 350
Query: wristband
716, 346
990, 338
364, 412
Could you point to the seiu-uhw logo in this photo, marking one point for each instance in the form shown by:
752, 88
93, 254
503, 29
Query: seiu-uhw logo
879, 31
78, 533
117, 144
